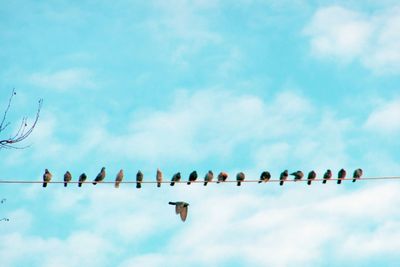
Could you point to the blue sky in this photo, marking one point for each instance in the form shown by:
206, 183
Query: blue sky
182, 85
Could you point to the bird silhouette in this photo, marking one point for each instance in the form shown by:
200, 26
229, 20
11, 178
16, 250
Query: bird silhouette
139, 179
209, 177
82, 179
341, 176
181, 208
118, 178
311, 176
46, 177
327, 176
67, 178
100, 177
357, 174
159, 177
240, 178
175, 178
222, 176
192, 177
264, 177
283, 177
297, 175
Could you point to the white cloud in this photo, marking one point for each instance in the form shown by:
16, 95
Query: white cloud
346, 35
385, 119
63, 80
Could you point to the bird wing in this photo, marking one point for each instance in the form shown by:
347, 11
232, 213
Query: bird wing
178, 208
183, 213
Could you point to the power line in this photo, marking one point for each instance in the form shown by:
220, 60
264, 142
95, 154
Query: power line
9, 181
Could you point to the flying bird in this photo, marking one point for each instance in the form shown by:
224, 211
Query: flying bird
181, 208
159, 177
175, 178
240, 178
67, 178
341, 176
222, 176
82, 179
100, 177
357, 174
192, 177
311, 176
327, 176
283, 177
46, 177
139, 179
264, 177
209, 177
297, 175
118, 179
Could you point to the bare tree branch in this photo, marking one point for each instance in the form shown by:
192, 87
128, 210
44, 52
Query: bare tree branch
23, 131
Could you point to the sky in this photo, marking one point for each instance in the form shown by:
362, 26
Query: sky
246, 85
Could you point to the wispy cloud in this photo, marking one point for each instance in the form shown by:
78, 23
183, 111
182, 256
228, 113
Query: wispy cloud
385, 118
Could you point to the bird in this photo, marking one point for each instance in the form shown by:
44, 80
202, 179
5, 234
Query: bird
139, 179
327, 176
209, 177
82, 178
222, 176
175, 178
357, 174
264, 177
181, 208
240, 178
311, 176
192, 177
284, 175
118, 179
341, 176
46, 177
159, 177
100, 177
67, 178
297, 175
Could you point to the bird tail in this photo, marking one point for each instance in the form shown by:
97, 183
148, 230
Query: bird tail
205, 183
94, 183
65, 184
339, 181
238, 183
354, 180
171, 203
309, 182
80, 184
281, 183
259, 182
172, 183
188, 182
138, 185
116, 185
324, 181
218, 182
44, 184
158, 184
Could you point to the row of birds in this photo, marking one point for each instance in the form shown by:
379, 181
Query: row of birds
222, 176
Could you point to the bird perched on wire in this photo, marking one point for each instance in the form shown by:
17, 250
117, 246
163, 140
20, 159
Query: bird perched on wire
327, 176
264, 177
67, 178
159, 177
100, 177
175, 178
341, 176
82, 179
297, 175
118, 178
357, 174
192, 177
240, 178
139, 179
181, 208
46, 177
311, 176
209, 177
283, 177
222, 176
